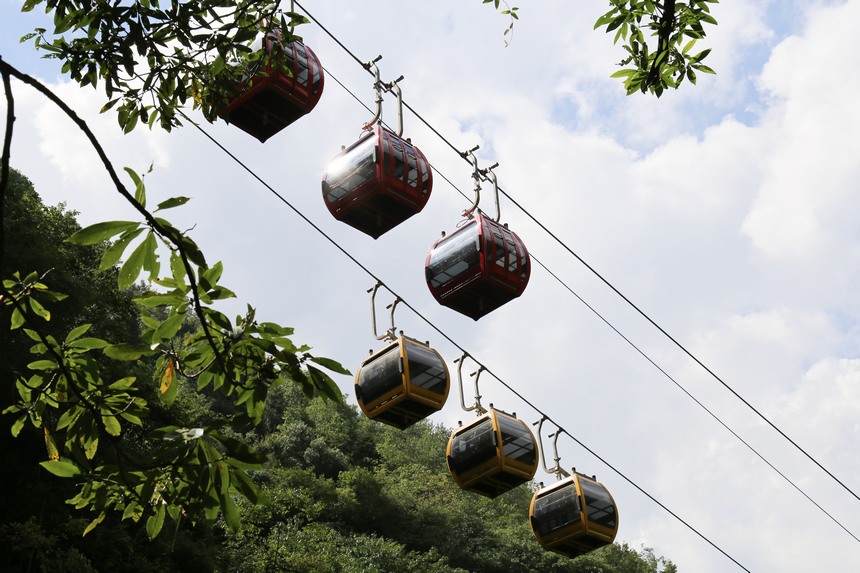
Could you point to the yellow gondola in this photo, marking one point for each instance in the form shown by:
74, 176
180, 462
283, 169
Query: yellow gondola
574, 516
492, 454
403, 383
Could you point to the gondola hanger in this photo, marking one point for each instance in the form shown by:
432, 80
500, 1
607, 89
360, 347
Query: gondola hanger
476, 407
377, 87
556, 469
477, 175
390, 333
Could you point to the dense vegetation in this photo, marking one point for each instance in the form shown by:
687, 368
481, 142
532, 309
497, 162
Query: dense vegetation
345, 494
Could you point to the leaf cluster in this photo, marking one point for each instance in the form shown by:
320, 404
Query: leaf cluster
677, 27
182, 472
511, 13
151, 60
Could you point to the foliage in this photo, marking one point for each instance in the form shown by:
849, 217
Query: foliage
392, 508
152, 60
39, 531
677, 26
510, 12
69, 396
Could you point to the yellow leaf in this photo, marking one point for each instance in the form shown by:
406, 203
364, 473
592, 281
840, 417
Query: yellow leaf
167, 378
53, 453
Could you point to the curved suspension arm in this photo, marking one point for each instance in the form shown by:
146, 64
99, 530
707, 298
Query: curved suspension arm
377, 86
390, 333
491, 175
476, 175
395, 87
477, 374
556, 469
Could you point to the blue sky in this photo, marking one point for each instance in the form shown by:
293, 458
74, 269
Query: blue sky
726, 211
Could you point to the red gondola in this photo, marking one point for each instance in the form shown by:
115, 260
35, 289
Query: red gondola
477, 268
378, 182
574, 516
382, 179
272, 99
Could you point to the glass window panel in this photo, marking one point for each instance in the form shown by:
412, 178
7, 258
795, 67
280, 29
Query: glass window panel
396, 151
352, 169
474, 446
557, 509
381, 375
426, 369
517, 441
598, 504
499, 248
425, 175
454, 255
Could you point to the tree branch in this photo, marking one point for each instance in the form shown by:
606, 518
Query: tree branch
6, 70
4, 159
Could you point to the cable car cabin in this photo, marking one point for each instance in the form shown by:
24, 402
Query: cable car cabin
492, 454
403, 383
574, 516
477, 268
377, 183
272, 99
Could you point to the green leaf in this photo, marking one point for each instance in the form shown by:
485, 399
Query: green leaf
168, 328
150, 259
155, 522
131, 268
240, 452
623, 73
39, 309
62, 468
248, 488
177, 268
115, 251
231, 512
101, 232
89, 343
42, 365
111, 424
17, 319
154, 300
128, 351
331, 365
324, 384
209, 278
77, 332
94, 523
18, 425
172, 202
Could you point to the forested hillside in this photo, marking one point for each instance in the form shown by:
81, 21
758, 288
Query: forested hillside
342, 493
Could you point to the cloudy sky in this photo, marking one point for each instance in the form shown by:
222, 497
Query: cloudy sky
727, 212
